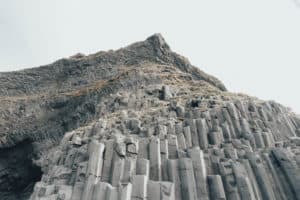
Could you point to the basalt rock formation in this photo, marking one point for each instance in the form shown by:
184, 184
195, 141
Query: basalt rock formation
141, 123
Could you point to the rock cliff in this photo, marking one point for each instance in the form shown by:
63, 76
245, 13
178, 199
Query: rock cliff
140, 123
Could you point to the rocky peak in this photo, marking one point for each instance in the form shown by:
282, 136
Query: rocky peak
141, 123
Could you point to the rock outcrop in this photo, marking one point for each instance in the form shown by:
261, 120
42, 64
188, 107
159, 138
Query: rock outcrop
141, 123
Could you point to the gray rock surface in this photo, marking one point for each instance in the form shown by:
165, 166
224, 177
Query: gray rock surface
141, 123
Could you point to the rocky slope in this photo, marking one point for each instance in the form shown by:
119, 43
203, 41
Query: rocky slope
141, 123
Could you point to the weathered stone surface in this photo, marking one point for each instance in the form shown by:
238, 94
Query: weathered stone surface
141, 123
139, 187
187, 178
290, 170
174, 176
261, 176
216, 187
243, 182
166, 93
202, 132
143, 167
89, 188
107, 162
188, 137
199, 171
125, 192
129, 170
155, 159
77, 191
117, 173
160, 191
194, 134
172, 146
95, 163
101, 191
230, 185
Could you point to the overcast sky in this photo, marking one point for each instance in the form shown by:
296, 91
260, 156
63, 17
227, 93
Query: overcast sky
252, 46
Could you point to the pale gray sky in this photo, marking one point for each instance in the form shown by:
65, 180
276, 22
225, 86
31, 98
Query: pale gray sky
252, 46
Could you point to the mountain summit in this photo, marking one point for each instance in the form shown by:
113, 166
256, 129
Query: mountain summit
142, 123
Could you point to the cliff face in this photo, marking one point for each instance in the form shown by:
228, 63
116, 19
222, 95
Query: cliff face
141, 123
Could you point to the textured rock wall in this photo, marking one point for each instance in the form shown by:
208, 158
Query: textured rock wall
235, 150
152, 127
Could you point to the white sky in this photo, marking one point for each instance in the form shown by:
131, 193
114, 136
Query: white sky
252, 46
